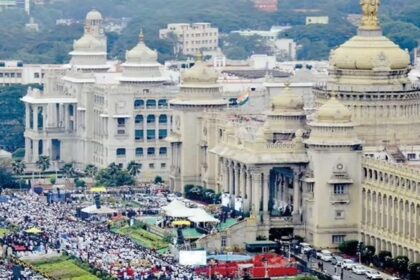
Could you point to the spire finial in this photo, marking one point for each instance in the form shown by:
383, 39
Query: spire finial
370, 19
141, 36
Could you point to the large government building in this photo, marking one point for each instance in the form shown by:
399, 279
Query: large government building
347, 169
90, 113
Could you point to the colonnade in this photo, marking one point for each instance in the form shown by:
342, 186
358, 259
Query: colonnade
252, 183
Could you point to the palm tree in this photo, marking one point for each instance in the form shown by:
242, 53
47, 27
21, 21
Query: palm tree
43, 163
133, 168
18, 168
68, 170
91, 170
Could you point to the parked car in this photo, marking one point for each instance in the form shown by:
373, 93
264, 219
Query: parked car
348, 264
374, 275
318, 254
337, 260
326, 256
358, 269
305, 248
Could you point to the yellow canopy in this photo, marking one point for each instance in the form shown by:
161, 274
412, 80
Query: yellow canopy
98, 190
34, 230
181, 223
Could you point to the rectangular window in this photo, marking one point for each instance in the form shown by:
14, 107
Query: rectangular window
120, 152
151, 165
223, 241
139, 134
163, 133
339, 189
339, 214
121, 122
151, 135
411, 156
163, 165
337, 239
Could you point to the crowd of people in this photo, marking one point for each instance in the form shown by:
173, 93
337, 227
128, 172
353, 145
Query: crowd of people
94, 244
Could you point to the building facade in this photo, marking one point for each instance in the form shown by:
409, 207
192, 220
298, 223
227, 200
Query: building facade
340, 171
192, 38
90, 113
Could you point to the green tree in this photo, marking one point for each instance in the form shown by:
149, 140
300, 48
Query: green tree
349, 247
79, 183
133, 168
401, 265
385, 259
158, 180
91, 170
68, 170
414, 271
368, 253
114, 176
53, 180
6, 180
43, 163
18, 167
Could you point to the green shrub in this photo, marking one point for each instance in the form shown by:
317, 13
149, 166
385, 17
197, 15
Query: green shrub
349, 247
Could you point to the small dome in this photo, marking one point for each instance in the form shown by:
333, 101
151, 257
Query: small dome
287, 101
333, 111
200, 73
366, 52
88, 43
141, 53
94, 15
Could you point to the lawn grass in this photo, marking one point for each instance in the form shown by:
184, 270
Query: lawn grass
63, 268
143, 237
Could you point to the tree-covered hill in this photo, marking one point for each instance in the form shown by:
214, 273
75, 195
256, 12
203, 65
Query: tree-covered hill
51, 45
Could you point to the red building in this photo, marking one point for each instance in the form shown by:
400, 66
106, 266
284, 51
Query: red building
266, 5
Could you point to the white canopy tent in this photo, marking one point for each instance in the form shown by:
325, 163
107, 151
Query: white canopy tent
101, 211
201, 216
177, 209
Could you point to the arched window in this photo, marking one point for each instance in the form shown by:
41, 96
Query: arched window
163, 103
163, 119
151, 119
151, 104
139, 104
139, 152
163, 151
139, 119
150, 151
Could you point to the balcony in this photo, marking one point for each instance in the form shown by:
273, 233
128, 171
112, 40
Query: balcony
340, 198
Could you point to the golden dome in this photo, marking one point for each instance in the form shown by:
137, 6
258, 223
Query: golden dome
141, 53
94, 15
88, 43
287, 101
333, 111
200, 73
369, 52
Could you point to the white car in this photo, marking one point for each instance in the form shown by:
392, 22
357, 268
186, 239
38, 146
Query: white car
326, 256
374, 275
358, 269
347, 264
305, 247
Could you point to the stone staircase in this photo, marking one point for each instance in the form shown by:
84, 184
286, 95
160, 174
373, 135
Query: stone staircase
395, 153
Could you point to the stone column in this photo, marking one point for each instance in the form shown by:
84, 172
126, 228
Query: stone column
266, 193
230, 178
238, 181
35, 150
243, 186
28, 150
256, 196
296, 195
44, 117
35, 117
226, 176
27, 116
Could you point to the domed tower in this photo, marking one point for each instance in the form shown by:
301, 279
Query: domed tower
335, 155
370, 73
285, 116
141, 64
193, 131
90, 51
